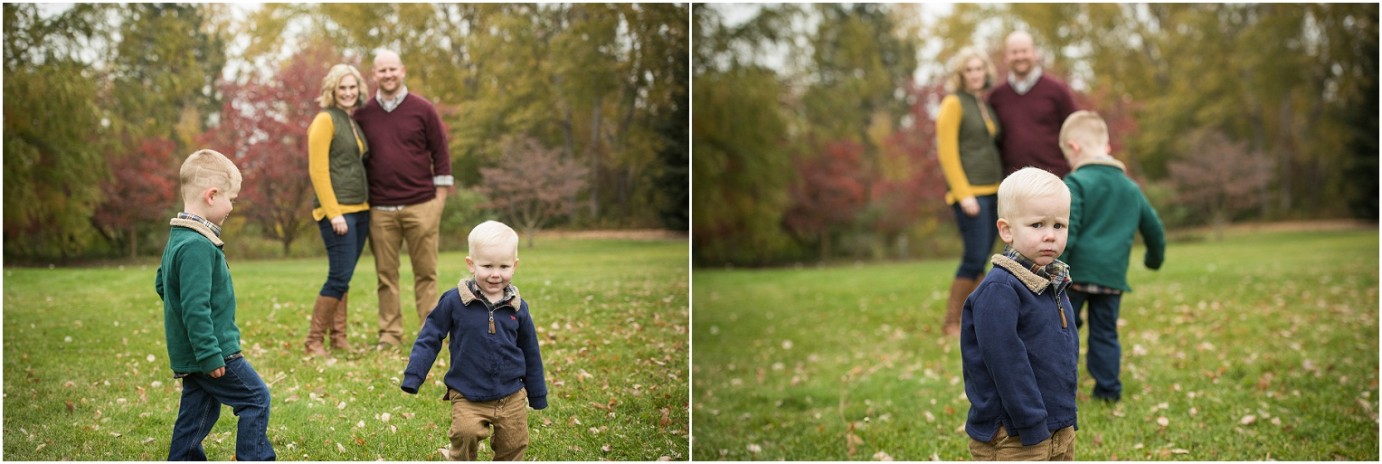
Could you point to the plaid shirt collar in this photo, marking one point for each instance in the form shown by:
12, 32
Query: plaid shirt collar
390, 105
210, 225
509, 293
1057, 272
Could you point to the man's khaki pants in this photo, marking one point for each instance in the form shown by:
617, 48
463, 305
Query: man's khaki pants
1060, 447
419, 225
471, 422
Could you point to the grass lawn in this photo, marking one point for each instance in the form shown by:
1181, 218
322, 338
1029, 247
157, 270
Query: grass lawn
86, 373
1262, 346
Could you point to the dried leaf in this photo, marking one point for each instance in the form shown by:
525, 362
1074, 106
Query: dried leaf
1248, 419
1163, 421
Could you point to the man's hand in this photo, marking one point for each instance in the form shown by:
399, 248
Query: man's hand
216, 374
442, 192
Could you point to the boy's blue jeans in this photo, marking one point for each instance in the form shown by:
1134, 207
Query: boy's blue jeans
1105, 354
202, 396
979, 233
343, 251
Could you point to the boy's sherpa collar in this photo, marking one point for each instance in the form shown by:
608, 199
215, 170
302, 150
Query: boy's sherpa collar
1036, 278
198, 226
469, 291
1102, 161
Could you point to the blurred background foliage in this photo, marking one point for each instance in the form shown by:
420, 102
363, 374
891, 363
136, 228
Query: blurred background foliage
103, 101
813, 128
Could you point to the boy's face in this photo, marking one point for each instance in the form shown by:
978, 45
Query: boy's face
220, 203
1039, 228
493, 268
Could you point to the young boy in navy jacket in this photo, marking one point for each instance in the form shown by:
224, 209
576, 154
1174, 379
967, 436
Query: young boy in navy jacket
496, 367
1018, 337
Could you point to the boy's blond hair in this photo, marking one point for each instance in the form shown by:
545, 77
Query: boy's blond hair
490, 234
205, 169
333, 78
1087, 129
1027, 184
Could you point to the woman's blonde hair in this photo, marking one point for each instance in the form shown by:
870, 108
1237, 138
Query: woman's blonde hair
955, 81
333, 78
1025, 185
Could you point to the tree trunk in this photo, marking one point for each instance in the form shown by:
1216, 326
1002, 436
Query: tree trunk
134, 241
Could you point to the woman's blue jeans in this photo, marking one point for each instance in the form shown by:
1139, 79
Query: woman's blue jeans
343, 251
979, 233
202, 397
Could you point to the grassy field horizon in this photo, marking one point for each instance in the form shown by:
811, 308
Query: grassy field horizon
86, 375
1260, 346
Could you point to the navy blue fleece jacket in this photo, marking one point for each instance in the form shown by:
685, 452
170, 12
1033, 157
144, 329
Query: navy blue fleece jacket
1021, 351
484, 366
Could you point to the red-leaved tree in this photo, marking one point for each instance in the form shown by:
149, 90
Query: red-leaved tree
1220, 177
910, 190
533, 185
263, 127
828, 194
139, 191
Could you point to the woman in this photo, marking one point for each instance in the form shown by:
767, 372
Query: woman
336, 149
965, 132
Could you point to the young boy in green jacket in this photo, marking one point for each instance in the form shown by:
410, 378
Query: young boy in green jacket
199, 318
1106, 210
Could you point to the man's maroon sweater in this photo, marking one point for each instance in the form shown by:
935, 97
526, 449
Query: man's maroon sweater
407, 150
1031, 125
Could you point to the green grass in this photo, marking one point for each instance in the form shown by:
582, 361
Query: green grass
1263, 346
86, 372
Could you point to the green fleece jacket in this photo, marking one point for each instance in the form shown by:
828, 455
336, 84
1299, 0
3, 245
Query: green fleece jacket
198, 299
1106, 211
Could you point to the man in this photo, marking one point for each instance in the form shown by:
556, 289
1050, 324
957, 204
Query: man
1031, 108
409, 172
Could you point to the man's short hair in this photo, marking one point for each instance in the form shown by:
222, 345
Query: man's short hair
492, 234
204, 169
1026, 184
1086, 128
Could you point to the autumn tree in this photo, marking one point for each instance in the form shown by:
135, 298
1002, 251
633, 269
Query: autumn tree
828, 194
535, 185
52, 161
263, 128
1219, 176
141, 190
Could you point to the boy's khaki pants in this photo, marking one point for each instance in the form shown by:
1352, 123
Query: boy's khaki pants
471, 422
1060, 447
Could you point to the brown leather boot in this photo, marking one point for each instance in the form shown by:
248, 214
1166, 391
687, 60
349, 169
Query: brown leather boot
321, 315
338, 326
959, 291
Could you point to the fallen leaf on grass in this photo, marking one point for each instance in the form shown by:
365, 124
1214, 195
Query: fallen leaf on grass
360, 441
1248, 419
1163, 421
754, 448
666, 418
882, 456
605, 448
